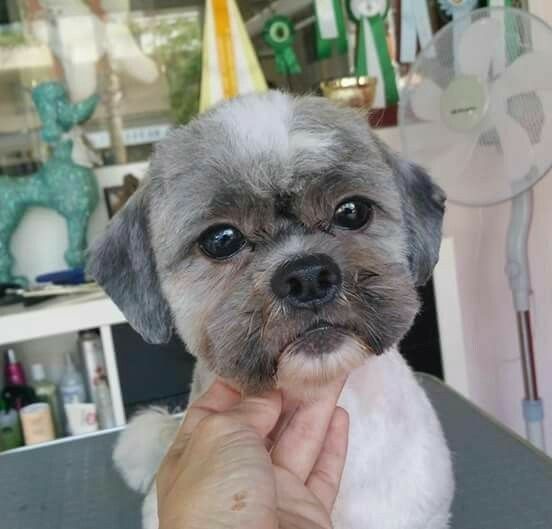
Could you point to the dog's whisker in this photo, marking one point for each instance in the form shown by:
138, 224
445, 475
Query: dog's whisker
250, 326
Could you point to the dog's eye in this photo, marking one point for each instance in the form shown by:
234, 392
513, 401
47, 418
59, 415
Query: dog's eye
221, 241
353, 213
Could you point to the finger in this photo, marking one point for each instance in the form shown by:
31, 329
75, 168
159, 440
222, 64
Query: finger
218, 398
299, 445
326, 474
259, 413
211, 422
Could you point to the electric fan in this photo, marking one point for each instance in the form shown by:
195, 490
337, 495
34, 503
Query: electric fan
476, 111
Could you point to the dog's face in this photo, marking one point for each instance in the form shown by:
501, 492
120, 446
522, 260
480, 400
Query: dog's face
279, 237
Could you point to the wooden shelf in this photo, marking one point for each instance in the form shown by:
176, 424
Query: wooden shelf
57, 316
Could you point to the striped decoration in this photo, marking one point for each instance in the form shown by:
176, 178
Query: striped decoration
230, 66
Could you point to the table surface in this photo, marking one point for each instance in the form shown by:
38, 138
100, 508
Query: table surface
501, 482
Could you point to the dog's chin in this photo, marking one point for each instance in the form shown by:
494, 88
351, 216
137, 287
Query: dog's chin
317, 358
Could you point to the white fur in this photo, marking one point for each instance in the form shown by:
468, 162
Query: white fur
263, 125
260, 124
142, 446
398, 473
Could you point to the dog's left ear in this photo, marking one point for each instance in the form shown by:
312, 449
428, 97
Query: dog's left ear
123, 263
423, 207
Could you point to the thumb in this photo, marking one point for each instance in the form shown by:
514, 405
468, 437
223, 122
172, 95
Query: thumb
259, 413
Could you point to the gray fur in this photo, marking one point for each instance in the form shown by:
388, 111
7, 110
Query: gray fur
275, 167
122, 261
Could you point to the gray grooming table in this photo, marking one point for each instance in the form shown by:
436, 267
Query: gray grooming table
501, 482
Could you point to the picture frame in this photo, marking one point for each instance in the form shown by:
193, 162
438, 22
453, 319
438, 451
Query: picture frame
117, 196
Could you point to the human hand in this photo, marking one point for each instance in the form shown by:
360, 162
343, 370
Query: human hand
220, 474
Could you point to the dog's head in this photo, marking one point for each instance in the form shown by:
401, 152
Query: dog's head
279, 237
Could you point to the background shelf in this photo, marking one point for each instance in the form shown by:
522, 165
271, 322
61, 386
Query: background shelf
57, 316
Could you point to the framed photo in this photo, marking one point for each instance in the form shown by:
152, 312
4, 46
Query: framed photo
117, 196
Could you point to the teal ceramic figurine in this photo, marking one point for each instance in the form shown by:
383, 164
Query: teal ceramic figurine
60, 184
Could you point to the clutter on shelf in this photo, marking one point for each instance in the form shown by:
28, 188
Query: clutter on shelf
41, 411
60, 283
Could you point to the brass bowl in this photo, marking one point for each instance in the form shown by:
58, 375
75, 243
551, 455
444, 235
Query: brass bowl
353, 91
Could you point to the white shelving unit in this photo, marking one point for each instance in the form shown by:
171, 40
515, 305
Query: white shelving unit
65, 315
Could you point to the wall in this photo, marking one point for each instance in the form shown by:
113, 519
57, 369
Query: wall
541, 8
492, 353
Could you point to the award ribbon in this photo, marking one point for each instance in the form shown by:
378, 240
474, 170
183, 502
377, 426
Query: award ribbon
330, 28
279, 34
415, 26
229, 64
372, 57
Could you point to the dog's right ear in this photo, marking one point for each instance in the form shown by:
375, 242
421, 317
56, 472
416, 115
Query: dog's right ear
123, 263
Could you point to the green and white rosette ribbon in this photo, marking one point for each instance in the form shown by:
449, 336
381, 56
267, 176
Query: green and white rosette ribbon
415, 26
372, 58
279, 34
458, 9
331, 31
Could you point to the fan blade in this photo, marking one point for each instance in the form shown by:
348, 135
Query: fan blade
447, 168
532, 71
425, 101
423, 142
477, 47
516, 146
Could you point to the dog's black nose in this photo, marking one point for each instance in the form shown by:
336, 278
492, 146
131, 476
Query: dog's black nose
307, 281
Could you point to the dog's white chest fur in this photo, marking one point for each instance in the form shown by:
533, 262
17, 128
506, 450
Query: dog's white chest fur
398, 473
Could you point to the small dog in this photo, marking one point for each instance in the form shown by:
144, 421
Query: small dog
283, 242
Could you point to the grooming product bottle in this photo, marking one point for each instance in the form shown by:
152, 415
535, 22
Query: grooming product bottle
37, 424
71, 387
91, 349
10, 429
46, 391
16, 392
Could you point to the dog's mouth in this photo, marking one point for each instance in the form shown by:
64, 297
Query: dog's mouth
317, 355
320, 338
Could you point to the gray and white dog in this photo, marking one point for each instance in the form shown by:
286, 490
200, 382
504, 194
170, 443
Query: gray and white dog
284, 243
